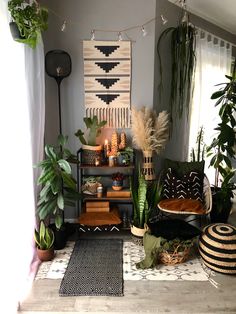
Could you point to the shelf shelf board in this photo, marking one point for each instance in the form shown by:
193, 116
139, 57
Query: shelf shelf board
84, 166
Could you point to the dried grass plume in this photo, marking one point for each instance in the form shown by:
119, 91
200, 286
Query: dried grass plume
150, 132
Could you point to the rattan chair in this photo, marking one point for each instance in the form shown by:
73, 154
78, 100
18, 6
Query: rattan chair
191, 215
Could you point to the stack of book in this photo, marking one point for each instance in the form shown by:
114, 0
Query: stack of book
125, 192
97, 207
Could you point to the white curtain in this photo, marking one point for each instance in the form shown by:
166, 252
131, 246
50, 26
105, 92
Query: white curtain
22, 130
213, 57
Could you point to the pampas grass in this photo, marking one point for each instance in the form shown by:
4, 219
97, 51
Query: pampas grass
150, 132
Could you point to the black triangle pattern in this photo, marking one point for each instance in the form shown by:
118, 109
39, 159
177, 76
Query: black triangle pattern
107, 66
107, 82
107, 98
107, 50
189, 186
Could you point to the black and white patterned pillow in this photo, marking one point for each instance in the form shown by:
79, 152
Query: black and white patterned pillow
188, 186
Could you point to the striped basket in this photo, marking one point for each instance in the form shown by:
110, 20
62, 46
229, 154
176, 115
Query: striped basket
217, 246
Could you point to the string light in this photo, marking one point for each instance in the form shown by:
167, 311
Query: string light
92, 34
164, 19
144, 32
120, 36
117, 31
63, 27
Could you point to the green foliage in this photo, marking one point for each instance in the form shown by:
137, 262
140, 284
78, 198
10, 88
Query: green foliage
145, 198
183, 44
127, 154
93, 128
198, 154
222, 148
31, 20
44, 237
58, 184
176, 245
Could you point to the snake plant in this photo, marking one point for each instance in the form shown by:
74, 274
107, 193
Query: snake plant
145, 198
44, 237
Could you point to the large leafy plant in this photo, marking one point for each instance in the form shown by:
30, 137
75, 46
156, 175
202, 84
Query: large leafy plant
31, 20
93, 131
58, 184
222, 148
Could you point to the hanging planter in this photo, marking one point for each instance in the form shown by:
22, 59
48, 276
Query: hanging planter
30, 19
183, 59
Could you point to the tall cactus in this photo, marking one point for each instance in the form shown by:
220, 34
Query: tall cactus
94, 130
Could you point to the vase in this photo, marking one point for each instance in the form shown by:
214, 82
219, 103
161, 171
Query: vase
148, 165
117, 185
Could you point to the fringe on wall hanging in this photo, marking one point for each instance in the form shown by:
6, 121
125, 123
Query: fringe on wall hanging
107, 75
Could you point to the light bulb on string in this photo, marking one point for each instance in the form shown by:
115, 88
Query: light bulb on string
120, 36
163, 19
144, 32
92, 35
63, 27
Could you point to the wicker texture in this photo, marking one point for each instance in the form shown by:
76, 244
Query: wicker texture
175, 257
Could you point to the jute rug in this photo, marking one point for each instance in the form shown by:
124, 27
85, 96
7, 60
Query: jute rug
95, 268
191, 270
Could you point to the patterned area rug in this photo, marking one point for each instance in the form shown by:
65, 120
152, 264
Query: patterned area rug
191, 270
94, 269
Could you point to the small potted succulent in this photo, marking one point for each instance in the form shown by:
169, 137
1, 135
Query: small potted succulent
117, 181
91, 150
44, 239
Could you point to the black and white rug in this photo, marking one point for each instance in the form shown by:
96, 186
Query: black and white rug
191, 270
95, 268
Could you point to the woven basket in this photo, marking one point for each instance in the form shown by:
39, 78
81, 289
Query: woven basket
91, 153
175, 257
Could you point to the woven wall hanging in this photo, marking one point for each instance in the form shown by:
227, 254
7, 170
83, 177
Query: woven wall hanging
107, 74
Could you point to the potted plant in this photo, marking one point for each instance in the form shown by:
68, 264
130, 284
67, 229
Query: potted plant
29, 19
117, 181
222, 150
44, 239
91, 150
58, 187
125, 156
145, 198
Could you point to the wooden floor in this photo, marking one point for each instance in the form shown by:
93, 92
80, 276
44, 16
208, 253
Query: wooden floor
140, 296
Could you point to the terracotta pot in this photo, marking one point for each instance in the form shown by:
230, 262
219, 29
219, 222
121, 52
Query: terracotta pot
45, 255
117, 185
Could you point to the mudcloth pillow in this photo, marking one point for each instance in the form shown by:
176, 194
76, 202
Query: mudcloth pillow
189, 186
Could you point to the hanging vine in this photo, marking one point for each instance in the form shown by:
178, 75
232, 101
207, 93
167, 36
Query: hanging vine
183, 59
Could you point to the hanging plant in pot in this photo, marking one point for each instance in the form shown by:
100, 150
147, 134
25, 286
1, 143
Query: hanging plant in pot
183, 59
222, 150
58, 188
29, 19
150, 134
91, 150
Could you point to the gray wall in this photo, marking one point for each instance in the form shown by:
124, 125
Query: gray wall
83, 16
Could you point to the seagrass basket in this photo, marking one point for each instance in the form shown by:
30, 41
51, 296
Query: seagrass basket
174, 257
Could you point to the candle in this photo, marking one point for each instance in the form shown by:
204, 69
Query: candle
97, 162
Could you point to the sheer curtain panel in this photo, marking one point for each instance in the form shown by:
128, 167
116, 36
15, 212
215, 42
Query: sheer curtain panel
21, 127
213, 57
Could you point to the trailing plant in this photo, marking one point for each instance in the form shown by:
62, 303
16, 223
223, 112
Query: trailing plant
222, 148
150, 131
93, 131
58, 183
31, 20
44, 237
198, 153
183, 59
145, 198
127, 154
